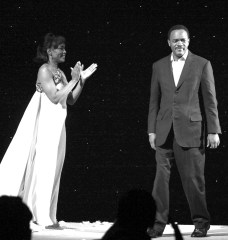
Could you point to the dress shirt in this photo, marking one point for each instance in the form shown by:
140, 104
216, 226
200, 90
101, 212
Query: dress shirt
177, 66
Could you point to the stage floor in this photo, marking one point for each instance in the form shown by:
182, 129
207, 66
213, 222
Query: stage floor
95, 230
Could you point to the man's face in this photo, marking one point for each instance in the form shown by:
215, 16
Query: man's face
178, 42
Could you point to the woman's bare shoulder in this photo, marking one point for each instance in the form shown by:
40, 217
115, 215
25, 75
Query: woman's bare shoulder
44, 75
44, 70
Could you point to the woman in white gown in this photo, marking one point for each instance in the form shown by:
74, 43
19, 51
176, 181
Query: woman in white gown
32, 165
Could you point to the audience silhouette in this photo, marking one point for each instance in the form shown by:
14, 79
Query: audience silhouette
136, 212
15, 219
178, 235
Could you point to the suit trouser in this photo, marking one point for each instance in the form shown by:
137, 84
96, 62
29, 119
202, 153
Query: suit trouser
190, 164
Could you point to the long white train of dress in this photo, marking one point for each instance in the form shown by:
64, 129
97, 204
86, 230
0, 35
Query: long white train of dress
32, 165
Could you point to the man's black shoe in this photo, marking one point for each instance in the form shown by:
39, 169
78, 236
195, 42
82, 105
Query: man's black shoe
154, 233
200, 232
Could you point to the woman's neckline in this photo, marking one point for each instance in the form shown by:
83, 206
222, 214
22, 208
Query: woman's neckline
53, 69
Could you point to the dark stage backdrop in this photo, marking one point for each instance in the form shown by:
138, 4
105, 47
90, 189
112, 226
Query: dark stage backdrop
107, 145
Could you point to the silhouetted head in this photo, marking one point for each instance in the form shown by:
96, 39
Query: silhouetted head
15, 219
136, 210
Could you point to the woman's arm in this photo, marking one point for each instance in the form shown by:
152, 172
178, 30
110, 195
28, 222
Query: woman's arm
73, 96
49, 88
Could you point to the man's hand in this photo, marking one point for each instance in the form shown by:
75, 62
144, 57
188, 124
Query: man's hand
152, 138
213, 140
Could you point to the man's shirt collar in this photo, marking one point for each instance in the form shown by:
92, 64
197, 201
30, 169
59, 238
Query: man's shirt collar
183, 58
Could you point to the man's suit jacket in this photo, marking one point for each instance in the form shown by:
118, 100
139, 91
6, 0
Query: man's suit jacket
186, 106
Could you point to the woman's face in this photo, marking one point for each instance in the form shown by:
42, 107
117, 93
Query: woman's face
58, 54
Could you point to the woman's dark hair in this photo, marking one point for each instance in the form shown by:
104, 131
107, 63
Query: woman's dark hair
50, 40
178, 27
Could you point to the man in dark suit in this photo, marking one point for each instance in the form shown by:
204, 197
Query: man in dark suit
183, 107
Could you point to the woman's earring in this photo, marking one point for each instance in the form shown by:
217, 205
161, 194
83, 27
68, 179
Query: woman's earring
49, 53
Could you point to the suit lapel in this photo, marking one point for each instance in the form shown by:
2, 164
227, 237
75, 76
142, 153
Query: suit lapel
185, 70
170, 73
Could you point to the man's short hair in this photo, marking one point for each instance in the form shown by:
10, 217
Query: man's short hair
178, 27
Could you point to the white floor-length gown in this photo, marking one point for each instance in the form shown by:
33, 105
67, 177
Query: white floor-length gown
32, 165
